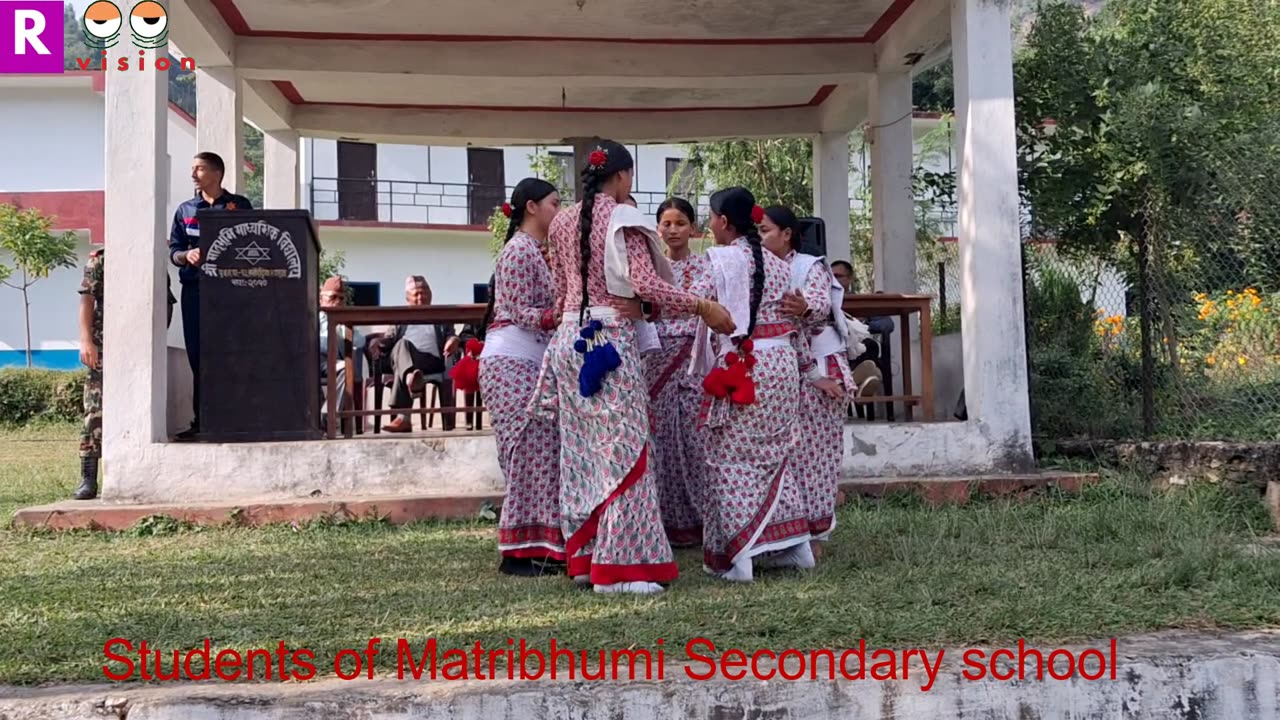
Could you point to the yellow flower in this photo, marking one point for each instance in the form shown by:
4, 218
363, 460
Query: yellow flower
1251, 291
1200, 297
1242, 360
1256, 301
1211, 360
1230, 293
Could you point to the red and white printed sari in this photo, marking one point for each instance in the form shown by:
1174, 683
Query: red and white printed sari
608, 498
675, 399
528, 446
753, 503
820, 445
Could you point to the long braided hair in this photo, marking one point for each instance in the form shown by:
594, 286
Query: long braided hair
612, 159
737, 204
526, 191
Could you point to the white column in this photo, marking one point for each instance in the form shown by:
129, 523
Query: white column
220, 120
135, 189
305, 153
280, 176
995, 369
831, 191
892, 197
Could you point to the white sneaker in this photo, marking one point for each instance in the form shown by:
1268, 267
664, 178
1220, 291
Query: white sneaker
742, 571
797, 556
634, 588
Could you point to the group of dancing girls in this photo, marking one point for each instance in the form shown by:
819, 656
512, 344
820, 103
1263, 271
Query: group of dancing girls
644, 396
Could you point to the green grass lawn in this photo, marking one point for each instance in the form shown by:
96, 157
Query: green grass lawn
1115, 559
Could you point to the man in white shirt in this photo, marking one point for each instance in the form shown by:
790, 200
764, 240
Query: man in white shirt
334, 294
417, 351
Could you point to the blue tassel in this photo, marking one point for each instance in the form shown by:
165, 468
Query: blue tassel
599, 358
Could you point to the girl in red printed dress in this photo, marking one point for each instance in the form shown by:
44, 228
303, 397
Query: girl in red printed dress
754, 505
518, 325
675, 395
594, 378
814, 301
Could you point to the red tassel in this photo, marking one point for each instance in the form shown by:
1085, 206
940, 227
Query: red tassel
466, 374
714, 383
747, 346
474, 347
731, 359
745, 394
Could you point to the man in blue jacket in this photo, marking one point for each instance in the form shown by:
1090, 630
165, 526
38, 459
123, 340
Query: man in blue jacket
207, 172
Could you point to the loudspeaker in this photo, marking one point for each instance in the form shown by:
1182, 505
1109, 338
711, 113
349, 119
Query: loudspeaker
813, 233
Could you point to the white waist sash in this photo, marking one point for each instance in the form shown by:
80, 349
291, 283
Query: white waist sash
646, 333
828, 342
513, 341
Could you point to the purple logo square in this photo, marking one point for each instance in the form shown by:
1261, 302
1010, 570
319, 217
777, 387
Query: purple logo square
31, 36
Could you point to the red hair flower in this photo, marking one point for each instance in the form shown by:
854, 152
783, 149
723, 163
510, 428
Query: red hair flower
757, 214
597, 159
506, 209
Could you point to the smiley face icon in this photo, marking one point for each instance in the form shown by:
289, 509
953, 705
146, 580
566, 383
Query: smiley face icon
102, 21
150, 24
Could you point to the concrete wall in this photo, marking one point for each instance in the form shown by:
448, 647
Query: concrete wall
50, 139
451, 260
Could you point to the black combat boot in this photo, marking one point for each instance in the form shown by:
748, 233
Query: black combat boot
88, 489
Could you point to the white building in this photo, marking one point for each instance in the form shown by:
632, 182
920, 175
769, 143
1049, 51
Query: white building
52, 140
422, 209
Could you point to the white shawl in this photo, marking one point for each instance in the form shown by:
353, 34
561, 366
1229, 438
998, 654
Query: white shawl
731, 272
849, 331
617, 269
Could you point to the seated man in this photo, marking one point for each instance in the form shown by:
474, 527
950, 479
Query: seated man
417, 351
334, 294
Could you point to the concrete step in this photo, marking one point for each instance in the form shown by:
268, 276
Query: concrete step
1164, 676
398, 509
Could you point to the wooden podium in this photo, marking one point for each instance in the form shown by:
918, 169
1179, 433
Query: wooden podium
259, 330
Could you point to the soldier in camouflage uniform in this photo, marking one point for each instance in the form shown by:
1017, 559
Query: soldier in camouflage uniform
91, 355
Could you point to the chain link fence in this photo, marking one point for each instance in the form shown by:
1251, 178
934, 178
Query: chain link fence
1175, 334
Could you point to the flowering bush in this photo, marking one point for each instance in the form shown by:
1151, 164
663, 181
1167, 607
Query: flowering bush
1236, 336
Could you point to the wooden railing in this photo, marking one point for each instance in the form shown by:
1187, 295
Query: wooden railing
349, 317
902, 307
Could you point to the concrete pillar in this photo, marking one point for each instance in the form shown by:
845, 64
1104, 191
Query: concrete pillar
831, 191
220, 120
305, 152
135, 191
995, 369
280, 176
582, 147
892, 197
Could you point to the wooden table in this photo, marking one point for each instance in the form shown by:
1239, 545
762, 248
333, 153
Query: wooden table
348, 317
903, 307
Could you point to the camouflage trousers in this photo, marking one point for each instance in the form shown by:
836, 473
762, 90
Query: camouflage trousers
91, 427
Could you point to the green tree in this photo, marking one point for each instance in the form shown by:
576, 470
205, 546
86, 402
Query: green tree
73, 44
31, 251
253, 155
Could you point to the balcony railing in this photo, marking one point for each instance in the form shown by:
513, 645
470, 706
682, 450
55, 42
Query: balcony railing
437, 203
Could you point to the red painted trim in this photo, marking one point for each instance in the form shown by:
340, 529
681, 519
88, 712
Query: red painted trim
236, 21
399, 225
70, 209
183, 114
232, 16
291, 92
886, 21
